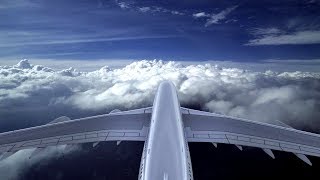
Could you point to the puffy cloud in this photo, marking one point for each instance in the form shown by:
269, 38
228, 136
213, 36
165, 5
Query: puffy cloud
230, 91
23, 64
34, 94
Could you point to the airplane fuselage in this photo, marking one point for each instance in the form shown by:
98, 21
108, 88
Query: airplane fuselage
166, 153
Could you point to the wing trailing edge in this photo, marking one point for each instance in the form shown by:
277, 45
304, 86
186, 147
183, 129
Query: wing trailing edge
118, 126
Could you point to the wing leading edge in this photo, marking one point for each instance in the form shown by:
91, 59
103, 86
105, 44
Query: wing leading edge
215, 128
130, 125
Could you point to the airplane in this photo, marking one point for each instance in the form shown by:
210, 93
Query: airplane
166, 128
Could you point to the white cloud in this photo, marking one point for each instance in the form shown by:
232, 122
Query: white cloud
157, 9
216, 18
177, 13
60, 40
83, 65
144, 9
200, 14
277, 37
134, 86
231, 21
147, 9
292, 97
266, 31
294, 61
6, 4
14, 166
123, 5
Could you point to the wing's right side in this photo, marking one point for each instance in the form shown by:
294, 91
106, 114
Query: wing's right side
117, 126
215, 128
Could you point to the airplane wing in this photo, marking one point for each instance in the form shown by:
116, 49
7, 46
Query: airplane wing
115, 126
215, 128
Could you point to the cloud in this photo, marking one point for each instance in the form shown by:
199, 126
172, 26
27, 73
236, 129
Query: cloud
200, 14
294, 61
8, 4
231, 21
41, 93
134, 86
147, 9
314, 2
273, 36
157, 9
144, 9
216, 18
177, 13
123, 5
80, 40
266, 31
14, 166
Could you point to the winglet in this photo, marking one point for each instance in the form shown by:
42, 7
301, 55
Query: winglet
303, 158
269, 152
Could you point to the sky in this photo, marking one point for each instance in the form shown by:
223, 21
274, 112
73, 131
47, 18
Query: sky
258, 60
169, 30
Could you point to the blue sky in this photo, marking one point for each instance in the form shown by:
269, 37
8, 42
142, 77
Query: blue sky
258, 46
169, 30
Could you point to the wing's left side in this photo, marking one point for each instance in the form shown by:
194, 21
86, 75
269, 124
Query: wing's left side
117, 126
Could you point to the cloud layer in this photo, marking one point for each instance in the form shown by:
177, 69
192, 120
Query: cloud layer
31, 91
292, 96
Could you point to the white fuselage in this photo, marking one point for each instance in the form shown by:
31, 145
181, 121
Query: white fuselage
166, 153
